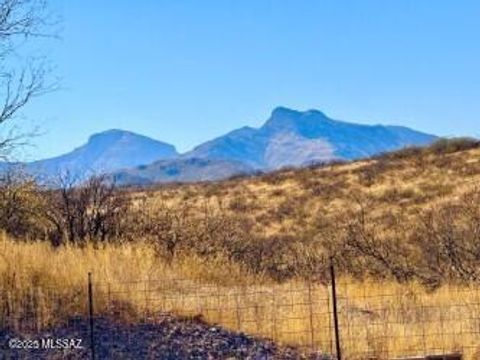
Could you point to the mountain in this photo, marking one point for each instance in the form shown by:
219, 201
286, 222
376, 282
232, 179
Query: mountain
287, 138
180, 170
104, 152
295, 138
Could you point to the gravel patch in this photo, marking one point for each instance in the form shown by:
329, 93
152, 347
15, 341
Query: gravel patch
167, 338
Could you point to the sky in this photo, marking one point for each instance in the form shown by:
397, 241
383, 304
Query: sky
186, 71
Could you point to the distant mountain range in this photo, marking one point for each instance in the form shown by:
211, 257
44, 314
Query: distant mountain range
288, 138
105, 152
295, 138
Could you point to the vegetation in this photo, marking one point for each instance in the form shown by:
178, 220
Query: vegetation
388, 215
404, 218
48, 285
404, 229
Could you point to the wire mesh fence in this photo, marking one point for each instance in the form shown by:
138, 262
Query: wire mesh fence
294, 314
42, 321
403, 321
375, 320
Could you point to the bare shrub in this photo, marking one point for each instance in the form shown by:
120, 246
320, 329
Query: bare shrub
446, 146
365, 244
21, 206
92, 210
449, 239
438, 245
439, 147
382, 252
178, 229
166, 228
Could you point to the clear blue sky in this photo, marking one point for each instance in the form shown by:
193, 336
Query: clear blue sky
186, 71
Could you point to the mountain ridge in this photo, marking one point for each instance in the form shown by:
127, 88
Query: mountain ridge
345, 140
103, 153
287, 138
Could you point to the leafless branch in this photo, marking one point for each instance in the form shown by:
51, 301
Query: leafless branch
21, 78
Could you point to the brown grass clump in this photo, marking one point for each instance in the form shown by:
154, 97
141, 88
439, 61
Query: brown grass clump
46, 285
292, 200
316, 209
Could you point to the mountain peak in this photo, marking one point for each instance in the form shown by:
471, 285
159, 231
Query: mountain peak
293, 138
282, 118
105, 152
286, 119
112, 132
110, 135
281, 111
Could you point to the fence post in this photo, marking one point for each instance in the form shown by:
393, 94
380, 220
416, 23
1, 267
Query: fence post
147, 289
310, 308
274, 315
90, 315
335, 311
237, 305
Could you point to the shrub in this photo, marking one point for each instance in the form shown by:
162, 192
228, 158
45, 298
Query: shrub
21, 206
445, 146
92, 210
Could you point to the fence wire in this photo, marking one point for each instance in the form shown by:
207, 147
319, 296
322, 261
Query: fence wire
146, 317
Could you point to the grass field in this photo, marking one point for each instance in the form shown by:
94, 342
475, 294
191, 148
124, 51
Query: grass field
294, 201
250, 254
382, 319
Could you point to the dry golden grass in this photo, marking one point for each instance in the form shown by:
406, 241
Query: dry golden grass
44, 285
291, 201
385, 319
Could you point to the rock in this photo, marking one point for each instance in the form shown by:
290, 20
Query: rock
168, 338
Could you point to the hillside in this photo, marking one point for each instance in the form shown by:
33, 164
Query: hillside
180, 170
297, 202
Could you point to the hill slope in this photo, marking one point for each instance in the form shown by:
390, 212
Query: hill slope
297, 202
180, 170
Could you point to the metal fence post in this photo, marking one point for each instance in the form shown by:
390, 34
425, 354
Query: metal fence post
237, 306
310, 313
274, 315
335, 312
90, 314
146, 289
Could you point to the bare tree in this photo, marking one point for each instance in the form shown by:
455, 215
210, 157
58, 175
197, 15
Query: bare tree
22, 78
92, 210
